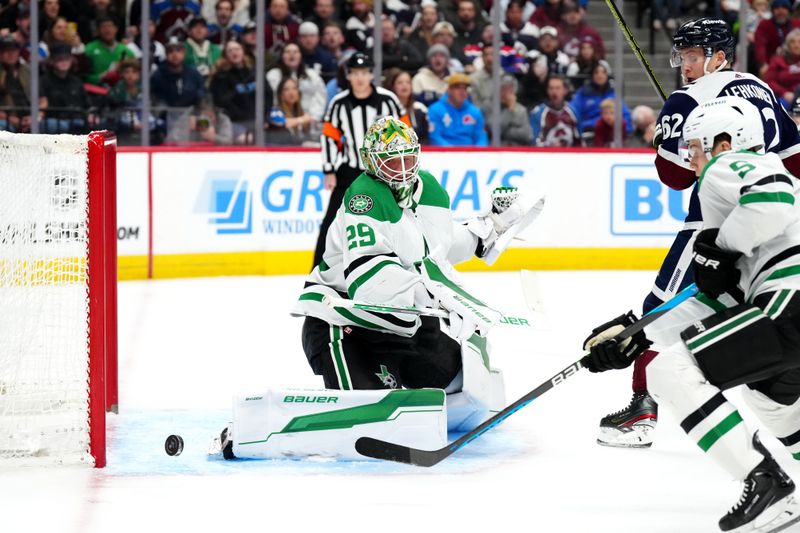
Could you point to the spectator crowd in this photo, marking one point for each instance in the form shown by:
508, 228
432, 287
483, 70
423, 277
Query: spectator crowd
556, 88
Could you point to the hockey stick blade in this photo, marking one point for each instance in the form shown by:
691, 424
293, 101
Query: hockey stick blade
388, 451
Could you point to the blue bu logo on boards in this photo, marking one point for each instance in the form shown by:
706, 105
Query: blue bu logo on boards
641, 205
228, 201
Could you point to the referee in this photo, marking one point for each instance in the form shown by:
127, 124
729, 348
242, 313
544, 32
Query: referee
349, 115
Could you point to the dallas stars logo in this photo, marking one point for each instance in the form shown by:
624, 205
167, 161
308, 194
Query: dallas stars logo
359, 204
394, 129
387, 378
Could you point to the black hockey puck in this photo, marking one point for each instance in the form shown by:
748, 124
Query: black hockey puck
173, 445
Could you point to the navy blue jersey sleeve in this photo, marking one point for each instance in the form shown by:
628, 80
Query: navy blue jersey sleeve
673, 171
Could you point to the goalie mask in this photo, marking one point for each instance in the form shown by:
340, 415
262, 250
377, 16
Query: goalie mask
731, 115
390, 152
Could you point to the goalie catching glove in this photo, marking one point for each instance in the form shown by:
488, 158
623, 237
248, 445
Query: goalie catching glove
511, 213
608, 353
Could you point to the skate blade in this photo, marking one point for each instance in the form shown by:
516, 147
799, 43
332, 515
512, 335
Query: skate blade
787, 520
636, 436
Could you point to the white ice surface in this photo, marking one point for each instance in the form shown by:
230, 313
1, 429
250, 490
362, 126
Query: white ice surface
186, 346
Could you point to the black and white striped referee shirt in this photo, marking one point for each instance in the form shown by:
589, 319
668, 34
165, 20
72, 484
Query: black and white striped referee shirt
347, 121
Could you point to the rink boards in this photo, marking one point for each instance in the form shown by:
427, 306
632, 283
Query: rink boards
205, 212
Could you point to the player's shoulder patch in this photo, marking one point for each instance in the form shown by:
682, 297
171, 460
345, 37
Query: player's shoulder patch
433, 194
360, 204
370, 197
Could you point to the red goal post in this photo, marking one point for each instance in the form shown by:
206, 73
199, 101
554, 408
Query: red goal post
58, 292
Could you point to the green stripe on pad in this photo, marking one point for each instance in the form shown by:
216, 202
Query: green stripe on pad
338, 358
313, 296
385, 409
784, 272
716, 305
796, 456
718, 431
759, 197
437, 275
782, 295
723, 328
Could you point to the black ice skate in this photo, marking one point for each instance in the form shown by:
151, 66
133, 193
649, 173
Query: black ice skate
631, 427
766, 498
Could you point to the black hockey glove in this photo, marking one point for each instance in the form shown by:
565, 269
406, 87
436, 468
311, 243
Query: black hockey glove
606, 353
715, 269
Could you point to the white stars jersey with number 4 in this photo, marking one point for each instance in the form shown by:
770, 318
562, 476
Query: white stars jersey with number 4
780, 132
755, 202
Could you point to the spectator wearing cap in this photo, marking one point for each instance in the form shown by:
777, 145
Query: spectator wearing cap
454, 120
15, 86
315, 56
783, 74
172, 18
324, 13
126, 100
359, 27
97, 10
515, 29
770, 33
281, 26
546, 60
397, 52
515, 126
547, 13
553, 123
63, 98
399, 82
604, 128
644, 127
430, 82
421, 36
312, 88
573, 29
175, 84
587, 99
445, 34
223, 28
201, 53
105, 52
233, 90
580, 69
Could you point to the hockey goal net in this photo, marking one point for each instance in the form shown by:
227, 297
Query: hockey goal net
58, 338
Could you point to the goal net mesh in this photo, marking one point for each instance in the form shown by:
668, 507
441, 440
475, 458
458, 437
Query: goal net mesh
44, 375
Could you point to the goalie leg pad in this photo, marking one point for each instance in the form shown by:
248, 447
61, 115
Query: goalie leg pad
482, 391
291, 423
735, 346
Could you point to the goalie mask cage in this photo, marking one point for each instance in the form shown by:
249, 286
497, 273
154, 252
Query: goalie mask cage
58, 263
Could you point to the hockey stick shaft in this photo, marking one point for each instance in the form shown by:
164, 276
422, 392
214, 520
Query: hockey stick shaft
424, 311
379, 449
637, 50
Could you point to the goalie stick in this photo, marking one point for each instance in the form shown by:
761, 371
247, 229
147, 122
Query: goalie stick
424, 311
378, 449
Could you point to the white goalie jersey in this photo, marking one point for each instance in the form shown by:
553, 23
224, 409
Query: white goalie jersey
373, 249
755, 202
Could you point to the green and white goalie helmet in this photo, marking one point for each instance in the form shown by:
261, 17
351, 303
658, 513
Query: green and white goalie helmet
390, 152
728, 114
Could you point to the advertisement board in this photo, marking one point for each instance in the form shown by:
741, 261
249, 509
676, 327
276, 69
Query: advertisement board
217, 212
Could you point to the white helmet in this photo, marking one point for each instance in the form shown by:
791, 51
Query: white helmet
729, 114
